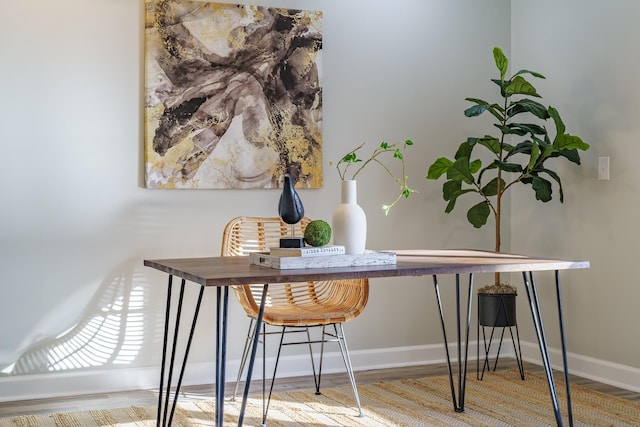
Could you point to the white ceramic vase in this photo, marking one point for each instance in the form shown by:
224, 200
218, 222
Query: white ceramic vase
349, 222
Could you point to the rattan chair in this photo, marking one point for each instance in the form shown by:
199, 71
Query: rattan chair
293, 307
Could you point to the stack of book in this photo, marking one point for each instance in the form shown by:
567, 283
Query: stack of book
308, 251
318, 257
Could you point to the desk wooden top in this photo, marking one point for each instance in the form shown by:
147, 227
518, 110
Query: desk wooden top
225, 271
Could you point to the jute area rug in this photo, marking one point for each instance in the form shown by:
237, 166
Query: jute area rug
501, 399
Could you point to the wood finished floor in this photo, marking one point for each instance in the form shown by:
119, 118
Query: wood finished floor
149, 397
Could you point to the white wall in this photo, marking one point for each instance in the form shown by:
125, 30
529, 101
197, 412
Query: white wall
76, 223
588, 52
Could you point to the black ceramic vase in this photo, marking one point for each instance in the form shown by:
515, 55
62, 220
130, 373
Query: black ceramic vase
290, 207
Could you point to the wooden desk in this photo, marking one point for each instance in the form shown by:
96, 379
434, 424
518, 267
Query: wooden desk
222, 272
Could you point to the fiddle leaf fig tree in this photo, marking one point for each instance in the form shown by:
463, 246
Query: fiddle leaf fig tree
520, 150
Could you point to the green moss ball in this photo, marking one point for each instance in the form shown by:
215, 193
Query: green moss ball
317, 233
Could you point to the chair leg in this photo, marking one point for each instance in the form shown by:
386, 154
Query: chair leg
342, 342
322, 341
243, 360
316, 377
265, 405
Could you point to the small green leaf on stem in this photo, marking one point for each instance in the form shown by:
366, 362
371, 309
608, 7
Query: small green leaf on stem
439, 167
501, 61
478, 214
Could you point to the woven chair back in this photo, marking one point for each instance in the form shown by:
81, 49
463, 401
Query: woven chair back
290, 304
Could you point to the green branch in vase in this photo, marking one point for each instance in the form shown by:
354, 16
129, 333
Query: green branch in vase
351, 162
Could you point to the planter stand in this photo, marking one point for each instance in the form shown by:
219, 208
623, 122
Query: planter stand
497, 311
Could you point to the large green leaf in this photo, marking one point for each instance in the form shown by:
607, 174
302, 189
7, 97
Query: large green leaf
494, 109
491, 166
482, 106
478, 214
555, 115
466, 148
555, 176
450, 189
501, 61
460, 171
533, 73
453, 200
546, 149
491, 143
531, 128
542, 187
476, 110
528, 106
450, 205
439, 167
510, 130
509, 167
491, 189
475, 166
502, 84
522, 148
535, 154
569, 142
520, 86
571, 155
477, 101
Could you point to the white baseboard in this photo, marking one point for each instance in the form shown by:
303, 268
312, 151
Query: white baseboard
70, 383
22, 387
614, 374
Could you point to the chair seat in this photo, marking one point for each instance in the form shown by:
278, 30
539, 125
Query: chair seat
312, 315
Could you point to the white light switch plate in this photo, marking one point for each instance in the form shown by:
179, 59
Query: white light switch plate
603, 168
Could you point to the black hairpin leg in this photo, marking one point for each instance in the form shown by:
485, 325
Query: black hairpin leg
164, 416
458, 400
254, 349
564, 350
532, 295
222, 303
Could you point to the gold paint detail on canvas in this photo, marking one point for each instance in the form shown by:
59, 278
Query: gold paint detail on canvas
233, 95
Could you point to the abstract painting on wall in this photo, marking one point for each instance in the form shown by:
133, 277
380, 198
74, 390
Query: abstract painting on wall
233, 95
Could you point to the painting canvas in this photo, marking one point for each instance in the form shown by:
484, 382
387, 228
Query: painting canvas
233, 95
